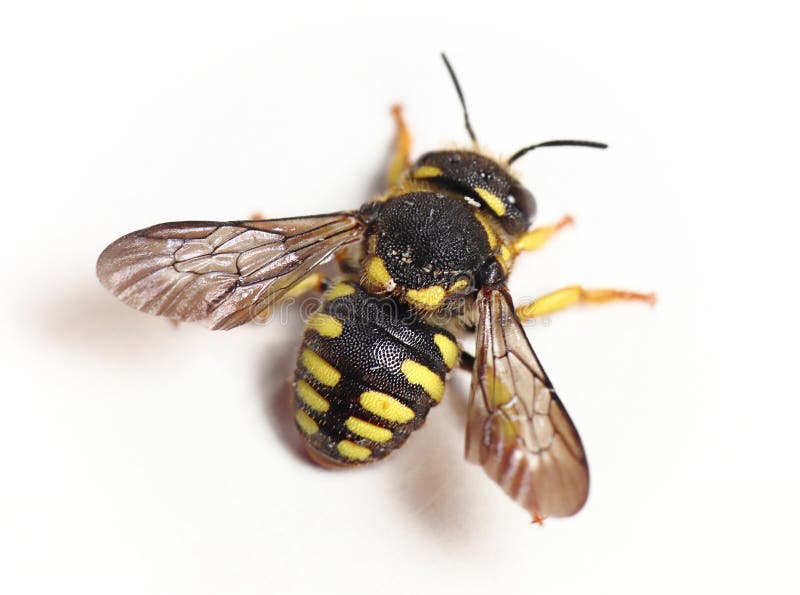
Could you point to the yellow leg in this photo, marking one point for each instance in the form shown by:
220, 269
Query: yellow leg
538, 237
575, 294
313, 282
402, 147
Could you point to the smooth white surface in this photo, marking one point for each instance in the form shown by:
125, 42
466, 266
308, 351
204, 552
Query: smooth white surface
136, 458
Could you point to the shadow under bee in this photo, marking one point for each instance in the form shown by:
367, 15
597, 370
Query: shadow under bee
87, 319
426, 475
430, 471
277, 394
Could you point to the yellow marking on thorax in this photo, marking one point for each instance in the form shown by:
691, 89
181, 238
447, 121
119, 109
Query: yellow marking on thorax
492, 201
458, 285
351, 450
427, 171
367, 430
447, 348
377, 275
416, 373
311, 397
319, 368
339, 290
491, 235
428, 297
385, 406
306, 423
325, 325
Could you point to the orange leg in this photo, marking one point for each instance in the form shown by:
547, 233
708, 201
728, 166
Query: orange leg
574, 295
402, 148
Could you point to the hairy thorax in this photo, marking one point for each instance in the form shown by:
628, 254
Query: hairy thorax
427, 248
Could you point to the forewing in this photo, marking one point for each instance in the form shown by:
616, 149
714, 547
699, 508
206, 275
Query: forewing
220, 274
517, 429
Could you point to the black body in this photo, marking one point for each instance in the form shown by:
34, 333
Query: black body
429, 238
476, 175
429, 245
378, 337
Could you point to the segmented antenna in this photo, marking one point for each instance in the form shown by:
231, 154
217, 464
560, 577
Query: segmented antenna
557, 143
460, 98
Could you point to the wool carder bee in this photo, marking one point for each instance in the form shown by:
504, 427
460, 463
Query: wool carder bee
418, 265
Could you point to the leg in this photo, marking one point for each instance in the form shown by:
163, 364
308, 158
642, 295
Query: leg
466, 361
575, 294
537, 237
402, 147
313, 282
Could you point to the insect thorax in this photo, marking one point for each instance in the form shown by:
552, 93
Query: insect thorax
428, 248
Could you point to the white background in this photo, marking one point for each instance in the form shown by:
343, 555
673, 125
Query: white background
137, 458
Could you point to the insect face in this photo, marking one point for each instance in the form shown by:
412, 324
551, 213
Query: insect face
482, 180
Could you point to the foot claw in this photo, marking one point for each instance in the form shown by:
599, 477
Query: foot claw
564, 222
397, 111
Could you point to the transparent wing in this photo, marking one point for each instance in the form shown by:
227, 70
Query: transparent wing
220, 274
517, 429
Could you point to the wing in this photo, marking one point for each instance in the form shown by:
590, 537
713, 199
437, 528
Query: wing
517, 429
220, 274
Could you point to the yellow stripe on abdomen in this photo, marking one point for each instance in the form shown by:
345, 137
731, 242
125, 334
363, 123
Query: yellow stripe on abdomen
367, 430
311, 397
447, 348
325, 325
306, 423
319, 368
351, 450
385, 406
418, 374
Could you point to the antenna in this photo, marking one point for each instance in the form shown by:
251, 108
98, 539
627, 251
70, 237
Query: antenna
460, 98
557, 143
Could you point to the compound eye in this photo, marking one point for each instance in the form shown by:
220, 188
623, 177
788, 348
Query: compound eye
521, 197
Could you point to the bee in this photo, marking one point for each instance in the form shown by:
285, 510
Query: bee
426, 260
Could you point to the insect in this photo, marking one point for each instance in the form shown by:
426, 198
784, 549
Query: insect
426, 260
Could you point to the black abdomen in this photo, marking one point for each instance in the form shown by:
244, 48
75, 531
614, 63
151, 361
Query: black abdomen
368, 373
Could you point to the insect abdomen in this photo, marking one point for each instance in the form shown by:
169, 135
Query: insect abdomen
367, 375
